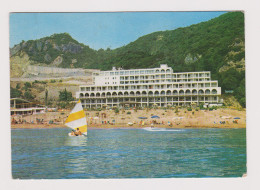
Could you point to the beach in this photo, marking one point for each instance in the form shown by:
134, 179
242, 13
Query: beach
220, 118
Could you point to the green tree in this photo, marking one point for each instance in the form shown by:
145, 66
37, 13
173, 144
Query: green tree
18, 86
28, 95
15, 93
65, 95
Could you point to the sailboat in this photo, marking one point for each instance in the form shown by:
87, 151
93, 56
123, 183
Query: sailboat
77, 119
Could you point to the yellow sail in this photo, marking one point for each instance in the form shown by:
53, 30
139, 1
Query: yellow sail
77, 119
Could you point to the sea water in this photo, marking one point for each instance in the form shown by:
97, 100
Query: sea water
128, 153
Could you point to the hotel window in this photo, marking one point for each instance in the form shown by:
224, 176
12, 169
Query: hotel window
127, 72
116, 73
137, 72
142, 72
121, 72
131, 78
132, 72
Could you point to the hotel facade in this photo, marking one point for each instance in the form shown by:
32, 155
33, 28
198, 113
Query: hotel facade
148, 88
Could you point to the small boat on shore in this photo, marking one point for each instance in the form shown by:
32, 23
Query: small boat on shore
77, 121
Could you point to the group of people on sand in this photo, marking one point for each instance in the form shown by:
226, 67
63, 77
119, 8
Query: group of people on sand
76, 133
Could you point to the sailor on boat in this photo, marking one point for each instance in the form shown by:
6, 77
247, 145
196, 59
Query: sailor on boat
77, 121
76, 133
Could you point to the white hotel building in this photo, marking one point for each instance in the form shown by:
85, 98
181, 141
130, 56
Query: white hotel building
149, 87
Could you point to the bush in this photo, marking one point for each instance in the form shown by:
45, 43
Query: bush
18, 86
27, 95
189, 109
128, 112
53, 81
15, 93
116, 110
27, 85
65, 95
214, 107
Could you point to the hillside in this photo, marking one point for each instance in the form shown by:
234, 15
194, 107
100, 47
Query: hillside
216, 45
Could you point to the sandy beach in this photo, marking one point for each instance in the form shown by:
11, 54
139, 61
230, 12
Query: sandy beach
221, 118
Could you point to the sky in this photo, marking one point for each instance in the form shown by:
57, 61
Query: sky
100, 30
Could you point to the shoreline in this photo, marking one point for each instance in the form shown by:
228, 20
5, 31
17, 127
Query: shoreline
108, 119
125, 126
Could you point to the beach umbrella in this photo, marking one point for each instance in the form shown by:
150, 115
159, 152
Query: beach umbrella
155, 117
142, 117
236, 117
96, 117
